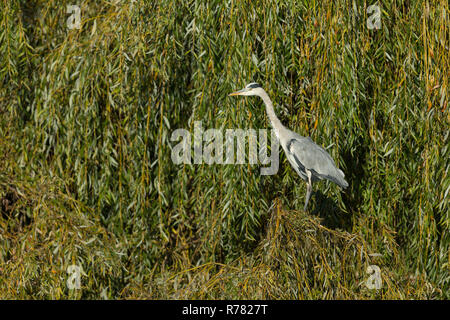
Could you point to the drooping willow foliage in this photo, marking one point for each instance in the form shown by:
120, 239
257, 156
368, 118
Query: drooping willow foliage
86, 176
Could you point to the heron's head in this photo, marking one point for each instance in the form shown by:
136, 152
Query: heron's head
252, 89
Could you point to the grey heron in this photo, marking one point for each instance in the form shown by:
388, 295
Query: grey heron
311, 162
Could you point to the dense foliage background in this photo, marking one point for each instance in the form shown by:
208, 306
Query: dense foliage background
86, 176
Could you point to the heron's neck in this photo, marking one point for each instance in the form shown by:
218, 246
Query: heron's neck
276, 123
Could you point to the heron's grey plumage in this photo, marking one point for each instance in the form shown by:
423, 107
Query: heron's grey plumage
311, 162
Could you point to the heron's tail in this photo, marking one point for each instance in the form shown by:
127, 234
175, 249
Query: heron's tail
341, 180
337, 177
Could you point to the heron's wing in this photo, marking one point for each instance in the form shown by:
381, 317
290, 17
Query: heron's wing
314, 158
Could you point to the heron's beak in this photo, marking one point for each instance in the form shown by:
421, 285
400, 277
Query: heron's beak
237, 93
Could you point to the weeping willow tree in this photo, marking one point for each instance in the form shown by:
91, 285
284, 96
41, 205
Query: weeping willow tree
90, 96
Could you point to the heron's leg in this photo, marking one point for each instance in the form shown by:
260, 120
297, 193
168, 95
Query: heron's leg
308, 194
308, 189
